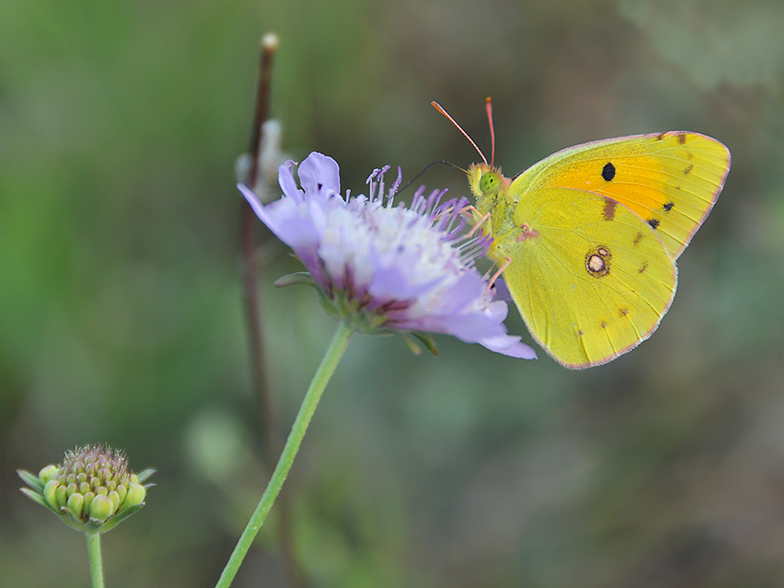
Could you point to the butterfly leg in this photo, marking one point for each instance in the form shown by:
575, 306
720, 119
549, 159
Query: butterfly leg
498, 272
477, 218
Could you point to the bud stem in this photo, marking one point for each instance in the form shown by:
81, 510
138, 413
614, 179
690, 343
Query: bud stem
320, 379
96, 562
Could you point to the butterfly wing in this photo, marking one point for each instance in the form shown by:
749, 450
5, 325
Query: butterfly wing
671, 180
591, 278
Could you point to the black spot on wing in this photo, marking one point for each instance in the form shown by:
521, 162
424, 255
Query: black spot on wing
654, 222
608, 172
668, 206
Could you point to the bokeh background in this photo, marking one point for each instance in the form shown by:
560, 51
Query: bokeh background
121, 317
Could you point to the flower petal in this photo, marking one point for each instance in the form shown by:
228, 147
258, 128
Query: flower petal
508, 345
287, 182
255, 203
392, 282
284, 218
319, 174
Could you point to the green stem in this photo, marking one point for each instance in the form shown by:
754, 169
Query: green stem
320, 379
96, 562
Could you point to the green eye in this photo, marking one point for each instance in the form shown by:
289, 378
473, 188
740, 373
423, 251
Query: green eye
489, 183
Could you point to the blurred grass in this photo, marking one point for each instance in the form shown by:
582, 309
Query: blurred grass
120, 316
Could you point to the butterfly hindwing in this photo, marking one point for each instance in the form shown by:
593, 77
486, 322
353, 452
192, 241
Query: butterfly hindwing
591, 278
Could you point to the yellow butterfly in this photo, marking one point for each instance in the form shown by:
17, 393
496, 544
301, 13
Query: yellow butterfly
587, 238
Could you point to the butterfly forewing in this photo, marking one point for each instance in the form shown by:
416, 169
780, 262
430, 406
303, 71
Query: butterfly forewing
671, 180
591, 278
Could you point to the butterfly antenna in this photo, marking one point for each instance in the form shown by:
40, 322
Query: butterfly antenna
427, 167
489, 109
440, 109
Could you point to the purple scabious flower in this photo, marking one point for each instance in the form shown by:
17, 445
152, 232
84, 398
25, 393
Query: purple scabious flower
384, 268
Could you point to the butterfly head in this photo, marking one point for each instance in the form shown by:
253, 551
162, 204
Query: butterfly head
486, 182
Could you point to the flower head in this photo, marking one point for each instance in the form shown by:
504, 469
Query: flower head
385, 268
91, 491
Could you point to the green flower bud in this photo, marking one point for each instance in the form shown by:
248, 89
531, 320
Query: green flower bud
92, 490
101, 508
60, 495
88, 499
122, 492
48, 473
136, 494
76, 504
50, 493
115, 498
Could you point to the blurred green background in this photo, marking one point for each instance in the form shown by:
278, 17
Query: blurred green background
121, 317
